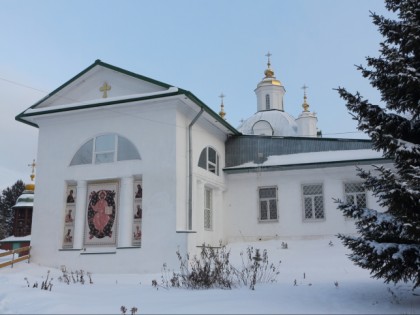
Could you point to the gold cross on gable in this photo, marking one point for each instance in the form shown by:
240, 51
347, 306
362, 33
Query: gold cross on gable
33, 169
105, 88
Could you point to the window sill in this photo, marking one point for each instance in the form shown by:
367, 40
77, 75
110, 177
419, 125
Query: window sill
100, 251
69, 249
313, 220
268, 221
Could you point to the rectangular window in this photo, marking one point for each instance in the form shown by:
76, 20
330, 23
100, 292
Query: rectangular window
355, 194
268, 203
208, 209
313, 202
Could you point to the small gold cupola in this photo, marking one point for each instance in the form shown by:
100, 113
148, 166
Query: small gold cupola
222, 112
269, 73
305, 104
31, 186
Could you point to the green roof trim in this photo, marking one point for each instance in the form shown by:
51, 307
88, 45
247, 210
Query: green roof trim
287, 167
98, 62
196, 100
191, 96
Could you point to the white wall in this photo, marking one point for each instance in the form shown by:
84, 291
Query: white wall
151, 128
241, 204
204, 135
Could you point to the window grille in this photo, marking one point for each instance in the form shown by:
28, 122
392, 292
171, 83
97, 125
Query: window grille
313, 202
355, 194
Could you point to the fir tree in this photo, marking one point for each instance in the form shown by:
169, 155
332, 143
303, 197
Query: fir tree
7, 201
388, 241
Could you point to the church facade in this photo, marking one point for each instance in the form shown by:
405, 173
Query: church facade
131, 169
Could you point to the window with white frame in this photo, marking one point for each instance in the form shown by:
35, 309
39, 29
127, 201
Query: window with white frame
105, 148
209, 160
268, 203
208, 209
355, 194
313, 202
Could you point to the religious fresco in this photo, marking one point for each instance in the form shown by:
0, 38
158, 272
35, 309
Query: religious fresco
101, 214
69, 215
68, 237
137, 213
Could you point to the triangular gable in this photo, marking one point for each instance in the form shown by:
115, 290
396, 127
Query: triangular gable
87, 90
99, 81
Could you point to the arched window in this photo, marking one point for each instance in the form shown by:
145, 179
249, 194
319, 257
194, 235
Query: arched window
267, 101
209, 160
106, 148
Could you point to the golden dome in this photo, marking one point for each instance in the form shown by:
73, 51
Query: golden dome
269, 73
30, 186
305, 104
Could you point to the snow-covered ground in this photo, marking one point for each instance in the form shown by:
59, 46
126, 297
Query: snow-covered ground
315, 265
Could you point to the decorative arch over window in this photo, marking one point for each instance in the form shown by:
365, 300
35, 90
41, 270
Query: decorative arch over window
209, 160
105, 148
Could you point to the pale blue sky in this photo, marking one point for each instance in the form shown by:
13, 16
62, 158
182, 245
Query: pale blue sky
206, 47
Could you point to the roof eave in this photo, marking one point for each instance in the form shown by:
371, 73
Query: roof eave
21, 117
213, 114
287, 167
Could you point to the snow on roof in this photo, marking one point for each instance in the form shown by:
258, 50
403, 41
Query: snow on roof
16, 239
315, 157
24, 200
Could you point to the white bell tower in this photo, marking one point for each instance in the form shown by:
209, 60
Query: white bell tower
307, 120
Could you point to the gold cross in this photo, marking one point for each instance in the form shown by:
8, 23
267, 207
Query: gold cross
222, 96
268, 55
305, 105
33, 169
105, 88
304, 87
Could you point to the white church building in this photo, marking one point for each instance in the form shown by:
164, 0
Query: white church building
130, 170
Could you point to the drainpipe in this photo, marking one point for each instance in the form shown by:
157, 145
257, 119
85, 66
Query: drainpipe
190, 169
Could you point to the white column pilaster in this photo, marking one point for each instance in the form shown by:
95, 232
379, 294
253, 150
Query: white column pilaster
79, 220
125, 212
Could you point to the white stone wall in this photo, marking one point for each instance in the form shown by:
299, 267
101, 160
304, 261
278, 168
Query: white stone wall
151, 128
203, 136
242, 208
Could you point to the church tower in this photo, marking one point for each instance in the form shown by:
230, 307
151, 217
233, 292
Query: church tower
307, 120
270, 118
269, 91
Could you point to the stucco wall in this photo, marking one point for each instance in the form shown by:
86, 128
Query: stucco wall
150, 127
242, 212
